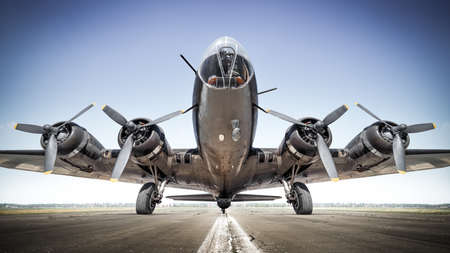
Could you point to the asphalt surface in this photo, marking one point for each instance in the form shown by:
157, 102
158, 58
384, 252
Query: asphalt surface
241, 230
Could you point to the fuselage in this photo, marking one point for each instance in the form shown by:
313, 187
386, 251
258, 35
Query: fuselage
225, 122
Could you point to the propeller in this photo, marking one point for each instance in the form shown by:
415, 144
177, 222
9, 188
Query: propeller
319, 128
52, 147
398, 149
133, 129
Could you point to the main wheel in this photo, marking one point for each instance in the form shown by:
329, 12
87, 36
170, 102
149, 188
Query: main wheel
303, 201
145, 203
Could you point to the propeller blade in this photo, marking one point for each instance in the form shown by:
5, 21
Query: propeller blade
163, 118
114, 115
166, 117
370, 113
336, 114
285, 117
122, 159
399, 154
50, 154
80, 113
326, 158
29, 128
417, 128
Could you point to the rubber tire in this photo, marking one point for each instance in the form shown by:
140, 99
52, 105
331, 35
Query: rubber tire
144, 203
304, 205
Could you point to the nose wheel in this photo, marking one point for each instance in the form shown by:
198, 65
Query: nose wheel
223, 211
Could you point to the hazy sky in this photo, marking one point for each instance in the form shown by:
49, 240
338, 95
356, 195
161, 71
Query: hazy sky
59, 56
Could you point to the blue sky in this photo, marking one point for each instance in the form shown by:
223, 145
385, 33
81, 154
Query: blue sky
391, 56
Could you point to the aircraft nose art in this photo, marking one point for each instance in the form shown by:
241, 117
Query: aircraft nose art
225, 64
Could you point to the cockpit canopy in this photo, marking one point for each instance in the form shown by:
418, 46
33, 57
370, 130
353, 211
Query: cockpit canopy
225, 64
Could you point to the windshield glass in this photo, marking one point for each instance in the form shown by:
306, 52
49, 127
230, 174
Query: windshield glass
225, 64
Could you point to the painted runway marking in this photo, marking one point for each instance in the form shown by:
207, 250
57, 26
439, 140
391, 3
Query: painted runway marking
226, 235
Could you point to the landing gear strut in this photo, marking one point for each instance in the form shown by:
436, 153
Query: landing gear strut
299, 196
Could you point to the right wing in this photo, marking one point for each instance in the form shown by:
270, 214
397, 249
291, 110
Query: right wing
79, 166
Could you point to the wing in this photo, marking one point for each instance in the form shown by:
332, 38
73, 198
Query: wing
33, 160
80, 166
416, 159
268, 173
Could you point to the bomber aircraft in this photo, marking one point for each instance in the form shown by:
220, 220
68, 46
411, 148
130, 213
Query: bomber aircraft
225, 163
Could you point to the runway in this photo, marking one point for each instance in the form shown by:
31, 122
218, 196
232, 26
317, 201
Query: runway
241, 230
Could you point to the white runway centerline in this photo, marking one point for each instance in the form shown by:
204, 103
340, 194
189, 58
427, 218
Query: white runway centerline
227, 236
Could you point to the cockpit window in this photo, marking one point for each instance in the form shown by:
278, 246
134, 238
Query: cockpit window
227, 60
225, 64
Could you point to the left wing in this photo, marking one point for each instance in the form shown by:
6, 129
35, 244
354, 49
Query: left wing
379, 149
347, 168
416, 159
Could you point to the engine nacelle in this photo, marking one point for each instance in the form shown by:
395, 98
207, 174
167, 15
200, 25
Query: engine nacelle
148, 141
374, 144
300, 141
74, 141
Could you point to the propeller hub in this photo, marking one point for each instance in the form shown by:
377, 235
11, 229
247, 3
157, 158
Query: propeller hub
47, 128
387, 133
313, 127
134, 127
319, 126
131, 126
399, 128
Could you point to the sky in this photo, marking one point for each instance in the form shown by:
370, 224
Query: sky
59, 56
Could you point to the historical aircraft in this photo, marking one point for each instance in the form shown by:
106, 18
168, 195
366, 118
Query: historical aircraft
224, 162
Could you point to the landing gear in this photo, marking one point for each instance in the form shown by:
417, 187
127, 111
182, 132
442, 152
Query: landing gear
223, 204
149, 196
299, 196
146, 202
303, 201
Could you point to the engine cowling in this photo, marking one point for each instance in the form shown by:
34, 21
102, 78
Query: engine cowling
374, 144
72, 140
148, 141
300, 141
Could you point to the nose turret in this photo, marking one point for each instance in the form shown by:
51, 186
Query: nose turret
225, 64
